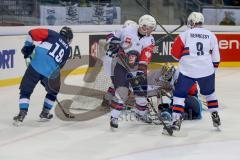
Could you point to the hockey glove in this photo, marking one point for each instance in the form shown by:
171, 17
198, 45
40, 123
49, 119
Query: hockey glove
114, 45
136, 78
27, 50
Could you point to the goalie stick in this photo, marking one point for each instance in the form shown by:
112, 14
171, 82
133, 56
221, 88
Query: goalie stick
168, 129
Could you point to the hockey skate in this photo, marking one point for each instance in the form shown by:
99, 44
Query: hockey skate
45, 115
173, 129
107, 98
114, 122
19, 118
144, 116
216, 119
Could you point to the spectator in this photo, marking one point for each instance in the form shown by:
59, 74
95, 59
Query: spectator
228, 19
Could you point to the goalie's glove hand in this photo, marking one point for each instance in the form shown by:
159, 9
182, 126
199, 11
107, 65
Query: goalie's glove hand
114, 45
27, 50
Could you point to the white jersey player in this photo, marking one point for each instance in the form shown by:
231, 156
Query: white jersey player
198, 54
135, 43
130, 37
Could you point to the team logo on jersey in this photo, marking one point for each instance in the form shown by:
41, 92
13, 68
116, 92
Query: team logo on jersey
148, 54
127, 43
128, 40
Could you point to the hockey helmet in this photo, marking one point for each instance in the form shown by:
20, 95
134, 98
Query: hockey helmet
130, 23
132, 56
147, 23
195, 18
67, 33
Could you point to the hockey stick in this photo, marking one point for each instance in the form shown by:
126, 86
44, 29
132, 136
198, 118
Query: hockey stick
67, 115
124, 62
141, 5
169, 34
169, 130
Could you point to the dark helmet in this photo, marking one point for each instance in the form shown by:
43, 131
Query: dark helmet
67, 33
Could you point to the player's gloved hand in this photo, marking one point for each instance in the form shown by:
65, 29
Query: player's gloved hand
136, 78
27, 50
140, 73
114, 45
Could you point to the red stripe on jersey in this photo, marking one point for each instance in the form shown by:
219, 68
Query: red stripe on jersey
215, 64
146, 54
39, 34
185, 51
212, 103
177, 48
176, 108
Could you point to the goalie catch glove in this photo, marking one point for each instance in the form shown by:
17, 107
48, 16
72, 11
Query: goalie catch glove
27, 50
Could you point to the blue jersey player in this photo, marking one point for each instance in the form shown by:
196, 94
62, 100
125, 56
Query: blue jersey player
50, 56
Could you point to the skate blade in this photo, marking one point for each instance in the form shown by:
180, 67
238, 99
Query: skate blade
43, 120
113, 129
175, 133
17, 123
157, 122
218, 128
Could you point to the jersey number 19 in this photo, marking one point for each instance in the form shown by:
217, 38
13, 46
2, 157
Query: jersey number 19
57, 53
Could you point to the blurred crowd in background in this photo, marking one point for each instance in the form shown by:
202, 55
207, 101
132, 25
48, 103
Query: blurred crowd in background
65, 12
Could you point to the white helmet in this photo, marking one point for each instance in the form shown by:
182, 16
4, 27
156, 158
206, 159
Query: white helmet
130, 23
195, 18
147, 20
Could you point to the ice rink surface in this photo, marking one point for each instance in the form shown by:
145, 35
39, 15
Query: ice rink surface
93, 140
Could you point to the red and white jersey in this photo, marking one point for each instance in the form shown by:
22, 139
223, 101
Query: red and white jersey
131, 41
197, 51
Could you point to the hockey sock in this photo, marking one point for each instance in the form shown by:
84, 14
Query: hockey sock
24, 103
24, 100
116, 109
212, 102
212, 105
49, 101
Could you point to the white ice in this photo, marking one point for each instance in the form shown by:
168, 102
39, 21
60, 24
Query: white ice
93, 140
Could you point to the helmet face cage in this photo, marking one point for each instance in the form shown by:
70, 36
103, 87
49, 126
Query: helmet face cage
168, 71
67, 33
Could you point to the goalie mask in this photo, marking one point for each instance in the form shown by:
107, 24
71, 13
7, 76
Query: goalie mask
147, 24
195, 18
167, 71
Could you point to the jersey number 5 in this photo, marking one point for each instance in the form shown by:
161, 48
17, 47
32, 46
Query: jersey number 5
57, 53
199, 46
